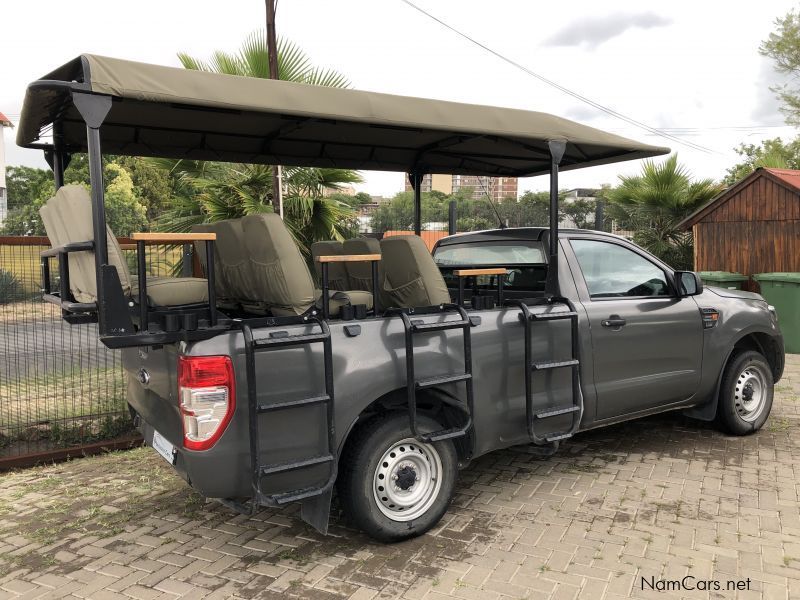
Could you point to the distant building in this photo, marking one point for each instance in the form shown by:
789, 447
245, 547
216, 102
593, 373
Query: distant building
497, 188
345, 190
574, 195
4, 122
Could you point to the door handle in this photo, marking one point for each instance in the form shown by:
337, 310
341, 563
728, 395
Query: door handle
614, 321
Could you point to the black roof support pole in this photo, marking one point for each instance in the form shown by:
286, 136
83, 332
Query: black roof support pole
94, 109
416, 184
551, 289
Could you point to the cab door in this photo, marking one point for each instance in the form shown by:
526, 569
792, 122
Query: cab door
646, 342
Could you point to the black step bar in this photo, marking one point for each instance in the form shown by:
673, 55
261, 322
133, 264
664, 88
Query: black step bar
531, 367
330, 457
413, 384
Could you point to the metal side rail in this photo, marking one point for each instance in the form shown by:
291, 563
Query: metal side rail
413, 385
259, 470
531, 367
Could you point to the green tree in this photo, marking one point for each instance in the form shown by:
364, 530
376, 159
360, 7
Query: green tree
206, 192
29, 188
653, 203
783, 47
580, 212
774, 153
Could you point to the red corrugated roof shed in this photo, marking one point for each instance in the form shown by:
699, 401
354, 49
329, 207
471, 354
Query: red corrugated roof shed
789, 176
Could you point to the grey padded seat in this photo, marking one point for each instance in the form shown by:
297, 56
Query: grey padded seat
360, 273
337, 274
235, 266
410, 275
67, 218
281, 274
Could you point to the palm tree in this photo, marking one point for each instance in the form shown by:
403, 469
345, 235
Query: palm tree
653, 203
210, 191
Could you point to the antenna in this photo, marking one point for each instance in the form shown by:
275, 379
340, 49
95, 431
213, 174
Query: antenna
491, 203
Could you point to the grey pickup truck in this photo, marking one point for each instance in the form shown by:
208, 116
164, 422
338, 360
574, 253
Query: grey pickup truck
380, 375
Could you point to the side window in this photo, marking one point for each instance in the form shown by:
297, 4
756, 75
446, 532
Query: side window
613, 271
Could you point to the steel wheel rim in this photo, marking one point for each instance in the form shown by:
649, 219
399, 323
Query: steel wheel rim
750, 393
412, 465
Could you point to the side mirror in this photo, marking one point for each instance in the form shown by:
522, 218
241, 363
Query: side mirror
689, 283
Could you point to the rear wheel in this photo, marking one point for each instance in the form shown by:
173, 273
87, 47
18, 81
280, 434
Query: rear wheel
745, 397
391, 485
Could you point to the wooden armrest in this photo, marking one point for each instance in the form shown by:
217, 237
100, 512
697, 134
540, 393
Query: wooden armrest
167, 238
330, 258
473, 272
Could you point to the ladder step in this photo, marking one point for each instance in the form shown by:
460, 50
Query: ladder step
295, 464
441, 380
297, 495
554, 316
556, 411
443, 326
291, 340
554, 365
262, 408
443, 434
557, 437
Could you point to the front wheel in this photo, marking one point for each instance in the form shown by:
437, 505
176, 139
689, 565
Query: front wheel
393, 486
745, 397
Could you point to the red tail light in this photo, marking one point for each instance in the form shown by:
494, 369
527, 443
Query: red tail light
207, 399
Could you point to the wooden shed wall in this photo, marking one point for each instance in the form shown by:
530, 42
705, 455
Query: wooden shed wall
757, 230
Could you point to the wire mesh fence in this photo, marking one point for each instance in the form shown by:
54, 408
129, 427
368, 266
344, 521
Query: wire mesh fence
60, 387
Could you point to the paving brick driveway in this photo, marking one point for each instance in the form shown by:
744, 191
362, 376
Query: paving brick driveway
658, 498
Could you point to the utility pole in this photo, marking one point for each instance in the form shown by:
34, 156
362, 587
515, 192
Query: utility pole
272, 52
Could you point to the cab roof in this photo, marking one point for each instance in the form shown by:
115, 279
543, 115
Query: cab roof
180, 113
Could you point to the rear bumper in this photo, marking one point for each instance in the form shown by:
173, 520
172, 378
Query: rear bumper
214, 473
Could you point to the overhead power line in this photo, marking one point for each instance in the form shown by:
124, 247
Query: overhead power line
550, 82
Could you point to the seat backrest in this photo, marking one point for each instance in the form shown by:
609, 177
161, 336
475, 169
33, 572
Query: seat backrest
223, 288
67, 218
281, 275
360, 273
337, 274
410, 275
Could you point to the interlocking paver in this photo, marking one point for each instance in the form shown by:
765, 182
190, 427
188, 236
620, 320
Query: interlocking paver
657, 498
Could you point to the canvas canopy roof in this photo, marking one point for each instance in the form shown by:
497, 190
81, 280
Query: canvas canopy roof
179, 113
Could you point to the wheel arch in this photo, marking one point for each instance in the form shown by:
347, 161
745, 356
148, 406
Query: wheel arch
433, 402
761, 341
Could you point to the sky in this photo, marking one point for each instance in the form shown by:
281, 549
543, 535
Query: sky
690, 68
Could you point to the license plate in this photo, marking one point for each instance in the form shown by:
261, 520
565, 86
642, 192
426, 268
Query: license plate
163, 447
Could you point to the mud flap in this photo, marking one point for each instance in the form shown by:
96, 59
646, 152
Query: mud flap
316, 511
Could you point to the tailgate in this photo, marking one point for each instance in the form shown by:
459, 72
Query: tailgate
153, 388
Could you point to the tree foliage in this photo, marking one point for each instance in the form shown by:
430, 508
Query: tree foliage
774, 153
126, 204
783, 47
653, 203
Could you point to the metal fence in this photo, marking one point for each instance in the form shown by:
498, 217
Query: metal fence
60, 388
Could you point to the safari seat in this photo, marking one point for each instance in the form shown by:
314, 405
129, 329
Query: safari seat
67, 218
410, 276
360, 273
280, 273
337, 274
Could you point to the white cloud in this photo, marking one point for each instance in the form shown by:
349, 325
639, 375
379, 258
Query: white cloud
592, 31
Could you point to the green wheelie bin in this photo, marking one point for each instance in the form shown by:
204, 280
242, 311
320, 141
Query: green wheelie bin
723, 279
782, 290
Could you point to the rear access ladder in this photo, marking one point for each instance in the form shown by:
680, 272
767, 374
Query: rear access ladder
414, 385
280, 339
575, 408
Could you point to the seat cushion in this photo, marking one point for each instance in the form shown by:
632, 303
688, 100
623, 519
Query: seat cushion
174, 291
336, 300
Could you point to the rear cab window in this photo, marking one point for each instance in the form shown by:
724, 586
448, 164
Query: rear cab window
525, 259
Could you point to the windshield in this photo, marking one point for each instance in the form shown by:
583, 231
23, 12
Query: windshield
475, 254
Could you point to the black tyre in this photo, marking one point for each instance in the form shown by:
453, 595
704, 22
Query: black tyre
392, 486
745, 396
